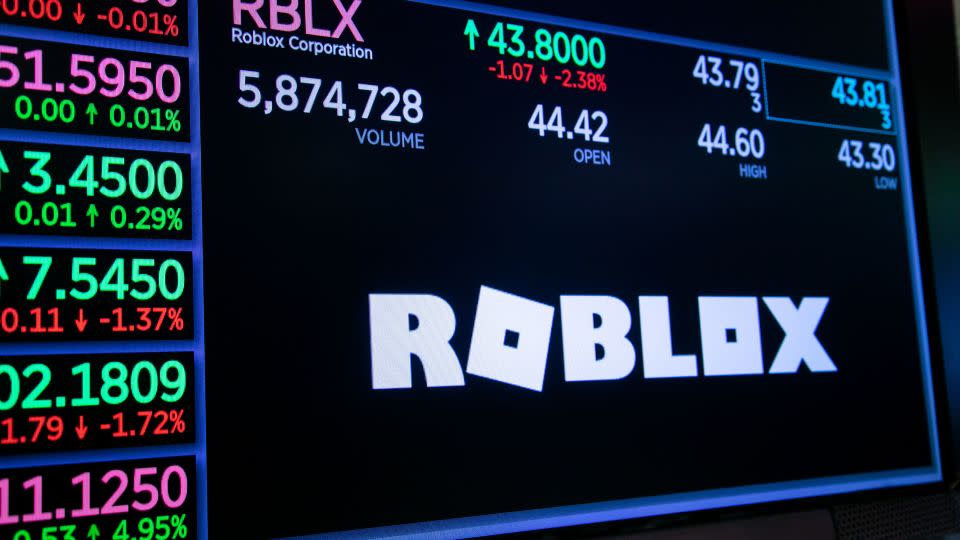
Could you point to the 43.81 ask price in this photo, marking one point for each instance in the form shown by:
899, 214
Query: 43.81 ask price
300, 94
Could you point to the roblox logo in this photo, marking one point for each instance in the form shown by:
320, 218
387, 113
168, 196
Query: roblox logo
318, 18
511, 338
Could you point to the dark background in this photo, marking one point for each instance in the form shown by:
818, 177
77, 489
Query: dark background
301, 224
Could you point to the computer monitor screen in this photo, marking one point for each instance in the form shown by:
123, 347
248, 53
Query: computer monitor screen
276, 268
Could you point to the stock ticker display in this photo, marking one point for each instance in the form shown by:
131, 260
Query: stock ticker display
287, 267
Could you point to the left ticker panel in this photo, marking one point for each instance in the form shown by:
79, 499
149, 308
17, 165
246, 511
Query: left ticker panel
77, 191
49, 295
75, 89
161, 21
82, 402
97, 268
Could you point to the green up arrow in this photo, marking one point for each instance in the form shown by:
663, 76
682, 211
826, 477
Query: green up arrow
471, 32
92, 214
3, 167
3, 273
94, 532
92, 112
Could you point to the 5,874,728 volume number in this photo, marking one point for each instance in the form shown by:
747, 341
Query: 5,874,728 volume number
393, 104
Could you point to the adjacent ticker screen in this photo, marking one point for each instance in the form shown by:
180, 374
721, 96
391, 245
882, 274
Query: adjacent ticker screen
101, 393
276, 268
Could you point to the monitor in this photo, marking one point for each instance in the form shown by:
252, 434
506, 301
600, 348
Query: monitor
347, 268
